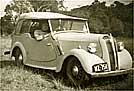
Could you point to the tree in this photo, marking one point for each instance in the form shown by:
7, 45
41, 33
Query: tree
13, 10
17, 7
43, 5
125, 14
116, 18
96, 25
6, 25
117, 26
61, 6
96, 2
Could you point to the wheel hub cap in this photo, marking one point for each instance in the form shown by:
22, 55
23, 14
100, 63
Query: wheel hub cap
20, 57
75, 70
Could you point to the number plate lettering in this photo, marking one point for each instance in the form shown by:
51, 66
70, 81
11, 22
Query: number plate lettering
100, 67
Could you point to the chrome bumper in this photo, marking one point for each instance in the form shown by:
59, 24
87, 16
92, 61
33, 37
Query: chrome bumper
112, 73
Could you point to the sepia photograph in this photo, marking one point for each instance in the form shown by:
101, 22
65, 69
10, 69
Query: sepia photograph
66, 45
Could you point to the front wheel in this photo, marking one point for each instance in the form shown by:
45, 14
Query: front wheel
75, 72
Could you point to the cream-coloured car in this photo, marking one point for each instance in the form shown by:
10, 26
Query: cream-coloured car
64, 43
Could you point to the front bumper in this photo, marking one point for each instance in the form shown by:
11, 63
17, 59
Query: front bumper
112, 73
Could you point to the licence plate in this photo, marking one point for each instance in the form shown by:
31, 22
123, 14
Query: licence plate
100, 67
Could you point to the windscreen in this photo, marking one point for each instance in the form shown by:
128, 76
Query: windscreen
68, 25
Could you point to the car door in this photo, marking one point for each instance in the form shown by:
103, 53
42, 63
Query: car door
42, 50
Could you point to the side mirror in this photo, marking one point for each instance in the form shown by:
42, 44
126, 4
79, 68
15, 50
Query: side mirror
38, 34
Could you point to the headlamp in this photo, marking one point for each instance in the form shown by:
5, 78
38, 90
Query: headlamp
92, 47
120, 46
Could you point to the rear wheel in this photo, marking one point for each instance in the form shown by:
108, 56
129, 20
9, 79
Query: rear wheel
18, 57
75, 72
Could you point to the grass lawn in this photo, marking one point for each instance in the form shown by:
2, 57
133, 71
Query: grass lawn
16, 78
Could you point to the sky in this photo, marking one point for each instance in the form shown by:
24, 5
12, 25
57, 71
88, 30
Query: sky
67, 3
77, 3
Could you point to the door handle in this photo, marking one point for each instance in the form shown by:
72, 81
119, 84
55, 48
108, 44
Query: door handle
49, 44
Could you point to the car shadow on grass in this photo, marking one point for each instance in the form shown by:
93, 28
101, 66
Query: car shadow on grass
122, 82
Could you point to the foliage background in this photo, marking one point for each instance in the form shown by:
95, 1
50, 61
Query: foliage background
116, 18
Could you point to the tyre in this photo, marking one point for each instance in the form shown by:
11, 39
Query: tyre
75, 72
18, 57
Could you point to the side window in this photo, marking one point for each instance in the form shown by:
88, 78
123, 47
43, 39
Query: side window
39, 25
18, 27
55, 24
25, 28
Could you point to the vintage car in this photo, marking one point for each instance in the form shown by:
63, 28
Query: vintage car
64, 43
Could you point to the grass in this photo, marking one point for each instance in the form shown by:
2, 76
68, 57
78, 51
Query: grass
23, 78
33, 79
28, 78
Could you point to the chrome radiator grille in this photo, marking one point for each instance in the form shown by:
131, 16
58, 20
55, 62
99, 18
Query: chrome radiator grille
111, 55
111, 51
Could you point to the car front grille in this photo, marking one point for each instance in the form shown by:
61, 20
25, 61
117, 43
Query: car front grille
111, 55
111, 48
